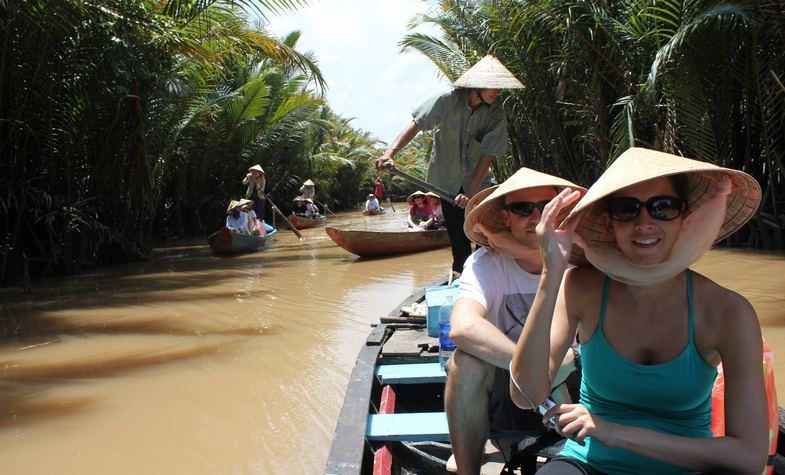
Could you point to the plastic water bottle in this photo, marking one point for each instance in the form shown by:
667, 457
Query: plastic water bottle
446, 346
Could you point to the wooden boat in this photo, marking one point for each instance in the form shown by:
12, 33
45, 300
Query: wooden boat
301, 222
393, 412
224, 241
392, 419
373, 212
386, 243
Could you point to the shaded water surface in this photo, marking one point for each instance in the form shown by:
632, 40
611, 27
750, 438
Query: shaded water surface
203, 365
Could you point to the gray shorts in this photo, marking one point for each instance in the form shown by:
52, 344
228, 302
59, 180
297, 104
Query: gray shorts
505, 416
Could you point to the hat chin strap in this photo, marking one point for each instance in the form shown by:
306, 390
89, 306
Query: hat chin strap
698, 232
482, 101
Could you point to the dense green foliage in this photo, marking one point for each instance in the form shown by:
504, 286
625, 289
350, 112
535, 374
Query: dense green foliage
124, 121
701, 78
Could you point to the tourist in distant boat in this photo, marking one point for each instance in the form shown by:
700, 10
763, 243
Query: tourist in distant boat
420, 213
372, 204
255, 182
237, 219
378, 189
311, 211
496, 290
308, 190
255, 225
436, 204
470, 129
652, 331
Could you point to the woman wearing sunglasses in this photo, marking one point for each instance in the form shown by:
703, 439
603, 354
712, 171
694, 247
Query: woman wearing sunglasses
652, 331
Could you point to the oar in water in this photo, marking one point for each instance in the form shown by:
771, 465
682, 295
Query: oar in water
286, 220
325, 207
421, 183
391, 206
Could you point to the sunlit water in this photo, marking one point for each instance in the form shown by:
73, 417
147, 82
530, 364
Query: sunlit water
196, 364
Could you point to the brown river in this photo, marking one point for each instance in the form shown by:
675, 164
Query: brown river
194, 364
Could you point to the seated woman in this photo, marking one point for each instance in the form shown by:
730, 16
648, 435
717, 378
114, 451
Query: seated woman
237, 219
436, 204
311, 211
652, 331
255, 225
420, 212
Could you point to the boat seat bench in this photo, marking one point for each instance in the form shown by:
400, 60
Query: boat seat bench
414, 373
412, 427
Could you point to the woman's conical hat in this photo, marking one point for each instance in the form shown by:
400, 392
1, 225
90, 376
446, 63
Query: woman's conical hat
637, 165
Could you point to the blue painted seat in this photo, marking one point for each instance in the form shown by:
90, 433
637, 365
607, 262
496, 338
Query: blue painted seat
412, 427
415, 373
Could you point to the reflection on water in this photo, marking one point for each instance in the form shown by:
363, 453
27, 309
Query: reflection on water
196, 364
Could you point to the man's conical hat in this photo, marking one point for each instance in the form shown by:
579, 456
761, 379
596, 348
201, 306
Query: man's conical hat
488, 73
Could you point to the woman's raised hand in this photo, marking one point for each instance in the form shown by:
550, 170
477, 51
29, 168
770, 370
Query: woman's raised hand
555, 243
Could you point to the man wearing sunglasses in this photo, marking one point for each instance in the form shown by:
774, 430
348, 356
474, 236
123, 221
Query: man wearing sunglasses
497, 288
469, 131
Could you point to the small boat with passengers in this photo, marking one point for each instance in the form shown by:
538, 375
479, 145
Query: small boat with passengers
374, 212
387, 243
225, 241
392, 420
302, 222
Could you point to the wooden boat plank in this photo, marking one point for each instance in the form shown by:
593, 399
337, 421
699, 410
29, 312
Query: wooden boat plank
412, 427
411, 373
408, 342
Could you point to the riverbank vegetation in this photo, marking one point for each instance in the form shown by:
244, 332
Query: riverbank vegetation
128, 121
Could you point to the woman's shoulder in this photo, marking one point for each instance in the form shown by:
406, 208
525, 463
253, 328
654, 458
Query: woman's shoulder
713, 295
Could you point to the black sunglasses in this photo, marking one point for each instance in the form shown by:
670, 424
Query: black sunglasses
525, 208
661, 208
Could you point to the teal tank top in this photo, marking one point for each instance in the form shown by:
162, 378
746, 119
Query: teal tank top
672, 397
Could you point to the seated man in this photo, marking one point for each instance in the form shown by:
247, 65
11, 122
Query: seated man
496, 291
372, 204
237, 219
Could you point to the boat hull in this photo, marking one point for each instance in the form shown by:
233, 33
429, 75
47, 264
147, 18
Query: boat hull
301, 222
226, 242
372, 212
381, 243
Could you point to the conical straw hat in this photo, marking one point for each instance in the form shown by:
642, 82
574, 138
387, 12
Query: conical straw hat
410, 198
488, 73
308, 182
637, 165
485, 207
232, 205
258, 168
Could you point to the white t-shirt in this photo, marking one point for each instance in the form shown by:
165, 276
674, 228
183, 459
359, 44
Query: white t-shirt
504, 289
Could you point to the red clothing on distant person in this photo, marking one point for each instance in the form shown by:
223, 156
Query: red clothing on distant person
378, 191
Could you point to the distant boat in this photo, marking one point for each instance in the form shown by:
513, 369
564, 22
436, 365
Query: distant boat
373, 212
301, 222
225, 241
385, 243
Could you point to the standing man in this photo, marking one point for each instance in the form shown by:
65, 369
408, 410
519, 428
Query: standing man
497, 289
470, 130
255, 182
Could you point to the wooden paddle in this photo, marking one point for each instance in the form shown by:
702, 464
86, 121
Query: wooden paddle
325, 207
391, 206
291, 226
421, 183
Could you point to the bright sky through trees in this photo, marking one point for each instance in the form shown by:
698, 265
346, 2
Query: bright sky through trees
356, 45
